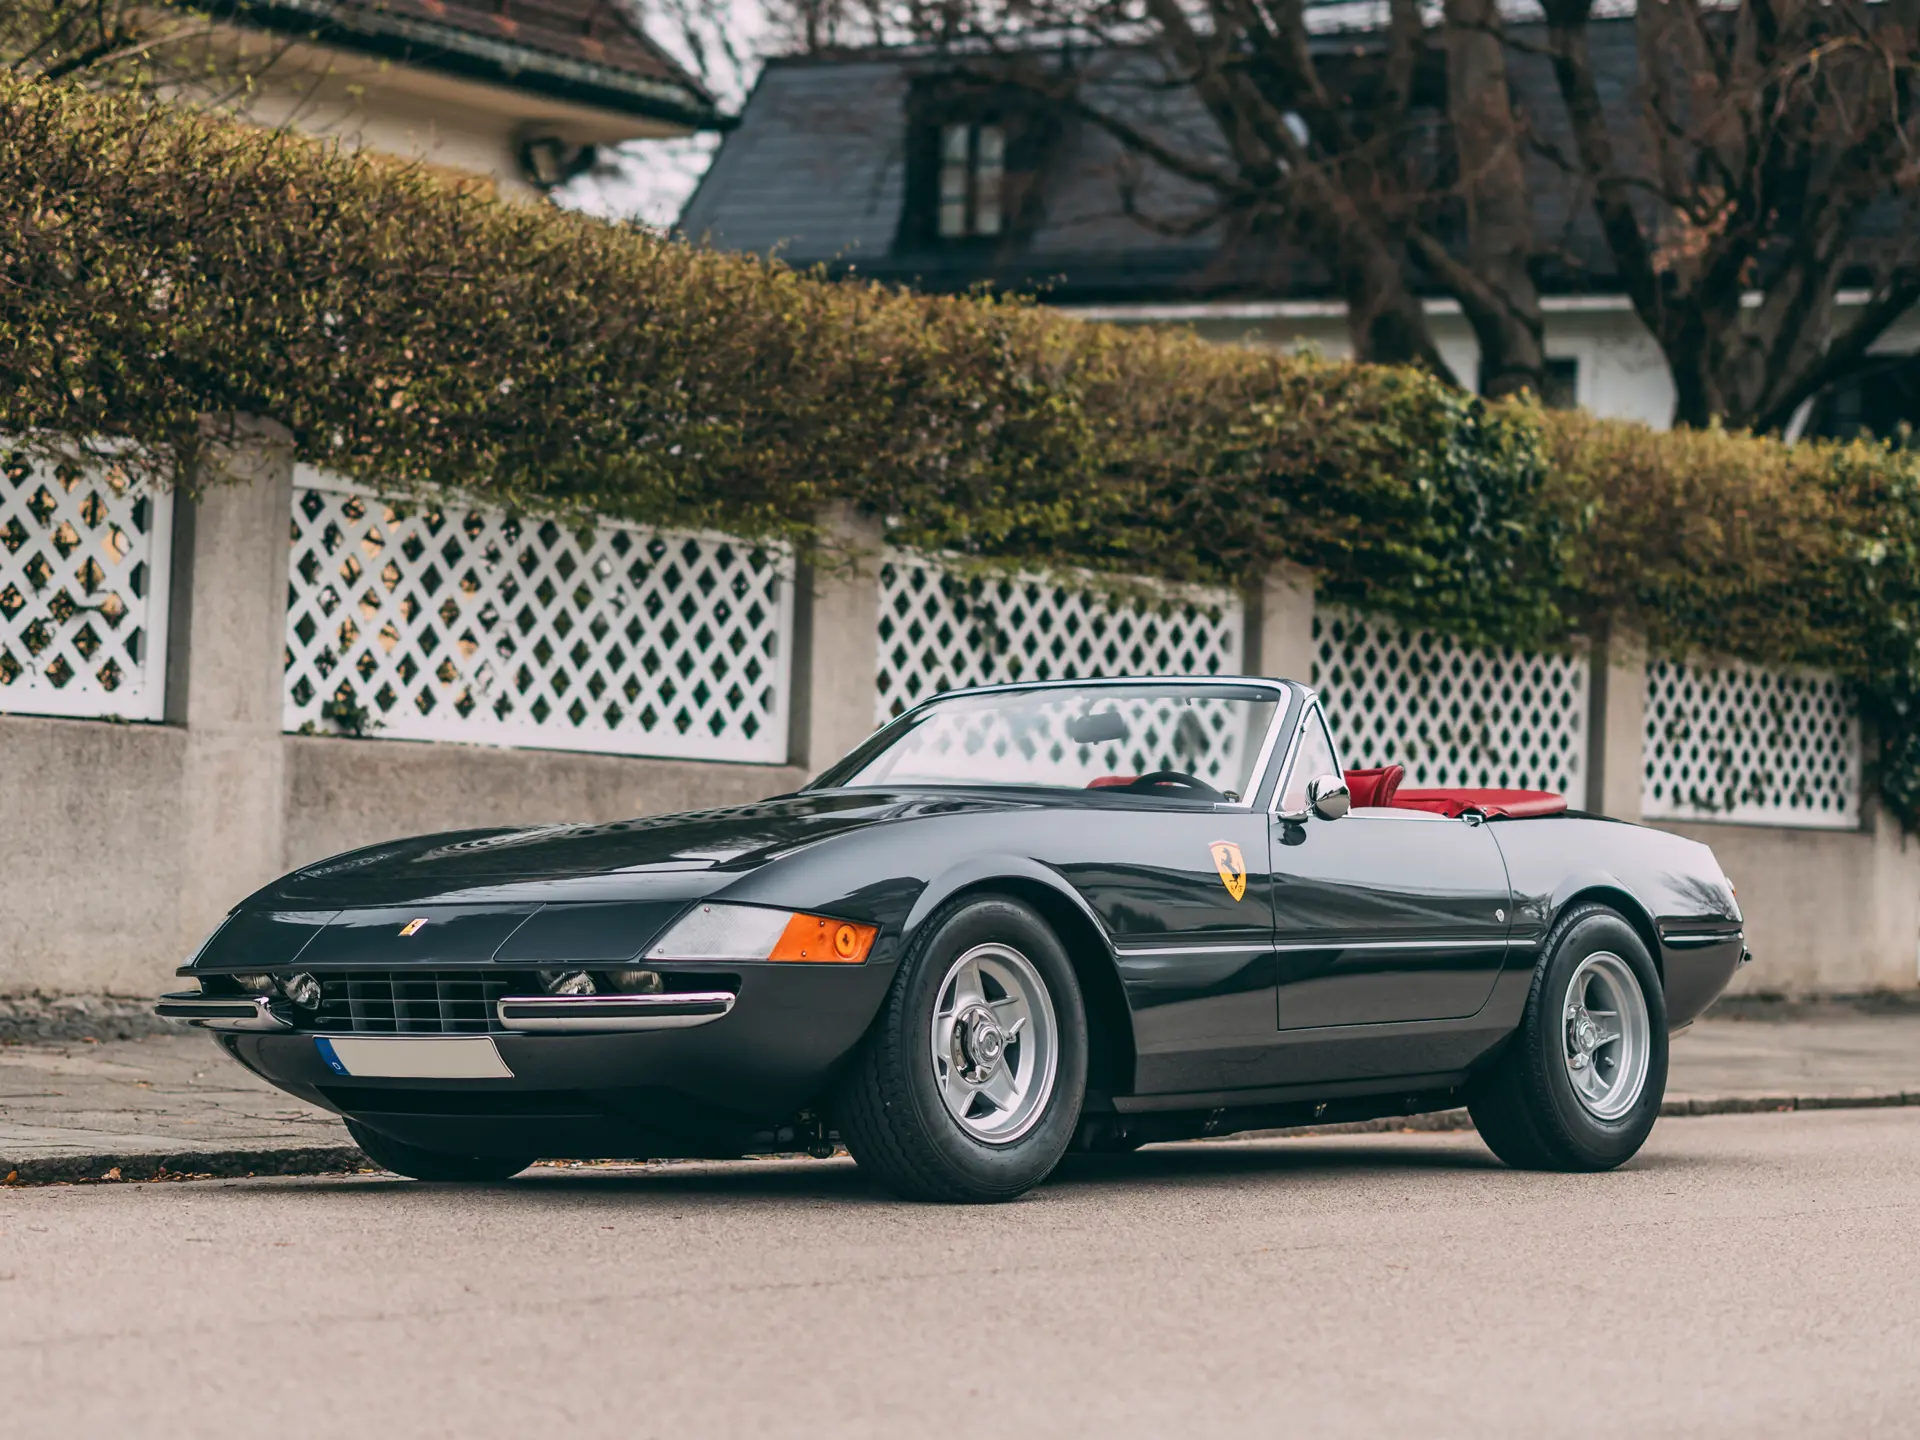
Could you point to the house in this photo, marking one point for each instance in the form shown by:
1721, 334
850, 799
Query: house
519, 92
902, 166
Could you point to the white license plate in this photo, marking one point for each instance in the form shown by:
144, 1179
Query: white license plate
414, 1057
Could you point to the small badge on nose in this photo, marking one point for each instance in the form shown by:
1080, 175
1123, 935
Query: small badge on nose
413, 927
1232, 867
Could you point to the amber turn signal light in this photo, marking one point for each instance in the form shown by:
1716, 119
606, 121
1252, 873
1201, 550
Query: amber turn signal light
815, 939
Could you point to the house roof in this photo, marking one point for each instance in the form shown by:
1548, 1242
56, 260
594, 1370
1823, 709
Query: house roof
591, 52
817, 170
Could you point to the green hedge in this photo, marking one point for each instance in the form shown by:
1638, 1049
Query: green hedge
158, 269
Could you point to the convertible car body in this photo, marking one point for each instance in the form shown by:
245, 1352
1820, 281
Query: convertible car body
1145, 909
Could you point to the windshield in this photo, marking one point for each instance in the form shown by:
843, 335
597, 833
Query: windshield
1183, 742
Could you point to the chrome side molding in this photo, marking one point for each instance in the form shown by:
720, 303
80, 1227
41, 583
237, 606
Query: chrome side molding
221, 1012
605, 1014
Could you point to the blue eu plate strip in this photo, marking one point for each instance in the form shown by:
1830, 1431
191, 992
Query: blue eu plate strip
325, 1047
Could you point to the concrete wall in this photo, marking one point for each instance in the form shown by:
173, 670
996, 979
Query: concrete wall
1828, 911
91, 850
341, 793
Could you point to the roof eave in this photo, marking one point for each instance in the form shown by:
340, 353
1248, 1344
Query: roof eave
459, 52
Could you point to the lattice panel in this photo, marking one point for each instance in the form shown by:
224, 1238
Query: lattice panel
428, 621
1452, 714
1736, 742
939, 631
83, 592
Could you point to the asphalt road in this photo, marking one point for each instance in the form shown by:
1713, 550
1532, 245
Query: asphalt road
1748, 1275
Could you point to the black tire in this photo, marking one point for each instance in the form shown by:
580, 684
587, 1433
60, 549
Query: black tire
889, 1108
1525, 1105
418, 1164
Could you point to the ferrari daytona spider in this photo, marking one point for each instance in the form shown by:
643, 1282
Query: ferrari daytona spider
1016, 922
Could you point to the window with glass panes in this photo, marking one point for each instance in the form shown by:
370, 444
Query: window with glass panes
973, 165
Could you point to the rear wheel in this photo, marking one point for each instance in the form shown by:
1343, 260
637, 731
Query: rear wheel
970, 1083
1579, 1086
420, 1164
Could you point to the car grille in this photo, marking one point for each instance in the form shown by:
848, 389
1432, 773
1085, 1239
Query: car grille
416, 1002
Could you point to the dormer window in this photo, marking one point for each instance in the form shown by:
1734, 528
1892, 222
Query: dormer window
973, 169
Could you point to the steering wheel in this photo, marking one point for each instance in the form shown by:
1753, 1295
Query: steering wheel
1179, 780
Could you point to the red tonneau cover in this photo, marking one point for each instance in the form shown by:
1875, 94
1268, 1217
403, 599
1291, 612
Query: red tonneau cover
1516, 804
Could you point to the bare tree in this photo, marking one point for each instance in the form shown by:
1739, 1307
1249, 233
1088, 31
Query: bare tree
1389, 159
1764, 166
1770, 164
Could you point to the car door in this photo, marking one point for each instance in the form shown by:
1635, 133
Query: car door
1184, 894
1380, 916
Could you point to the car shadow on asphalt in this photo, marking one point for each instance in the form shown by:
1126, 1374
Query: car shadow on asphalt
1196, 1163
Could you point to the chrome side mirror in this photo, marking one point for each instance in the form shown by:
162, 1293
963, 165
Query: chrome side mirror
1329, 797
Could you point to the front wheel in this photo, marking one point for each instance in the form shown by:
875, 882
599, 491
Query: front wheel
420, 1164
1580, 1084
969, 1085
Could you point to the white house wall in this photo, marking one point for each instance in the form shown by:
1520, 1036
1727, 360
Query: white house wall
1621, 373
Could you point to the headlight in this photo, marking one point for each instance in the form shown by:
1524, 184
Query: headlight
261, 984
567, 982
752, 932
303, 989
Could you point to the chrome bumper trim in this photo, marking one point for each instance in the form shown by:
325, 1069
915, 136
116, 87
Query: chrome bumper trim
579, 1014
221, 1012
1700, 939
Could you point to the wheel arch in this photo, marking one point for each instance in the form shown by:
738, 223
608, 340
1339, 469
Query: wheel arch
1616, 896
1110, 1039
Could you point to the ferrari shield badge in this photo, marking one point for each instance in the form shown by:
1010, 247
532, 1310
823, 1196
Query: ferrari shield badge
414, 927
1232, 867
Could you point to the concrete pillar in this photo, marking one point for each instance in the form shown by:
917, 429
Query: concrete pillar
836, 660
1279, 637
1616, 724
228, 671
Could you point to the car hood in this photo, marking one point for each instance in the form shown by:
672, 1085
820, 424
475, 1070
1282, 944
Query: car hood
686, 855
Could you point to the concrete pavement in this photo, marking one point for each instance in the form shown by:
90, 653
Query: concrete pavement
1747, 1276
171, 1103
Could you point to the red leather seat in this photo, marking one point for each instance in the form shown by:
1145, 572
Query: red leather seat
1510, 804
1376, 786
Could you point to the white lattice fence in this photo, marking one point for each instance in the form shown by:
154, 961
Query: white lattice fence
939, 631
430, 621
1738, 742
83, 592
1452, 714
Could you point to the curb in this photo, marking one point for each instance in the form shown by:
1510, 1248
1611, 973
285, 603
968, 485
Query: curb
182, 1165
346, 1159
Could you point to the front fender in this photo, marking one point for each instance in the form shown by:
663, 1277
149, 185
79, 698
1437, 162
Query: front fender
980, 870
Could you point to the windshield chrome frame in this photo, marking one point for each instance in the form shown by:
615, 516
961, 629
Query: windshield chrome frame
1310, 706
1283, 692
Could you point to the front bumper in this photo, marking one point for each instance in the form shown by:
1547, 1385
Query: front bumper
628, 1075
531, 1014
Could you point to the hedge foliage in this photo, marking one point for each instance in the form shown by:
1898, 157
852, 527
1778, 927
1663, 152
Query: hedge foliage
159, 268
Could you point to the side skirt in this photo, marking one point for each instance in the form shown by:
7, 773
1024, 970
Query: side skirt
1144, 1119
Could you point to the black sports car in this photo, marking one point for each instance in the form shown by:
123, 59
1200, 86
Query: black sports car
1015, 922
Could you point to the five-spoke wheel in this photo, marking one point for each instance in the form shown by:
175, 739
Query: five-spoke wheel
995, 1044
1579, 1085
1605, 1035
969, 1085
